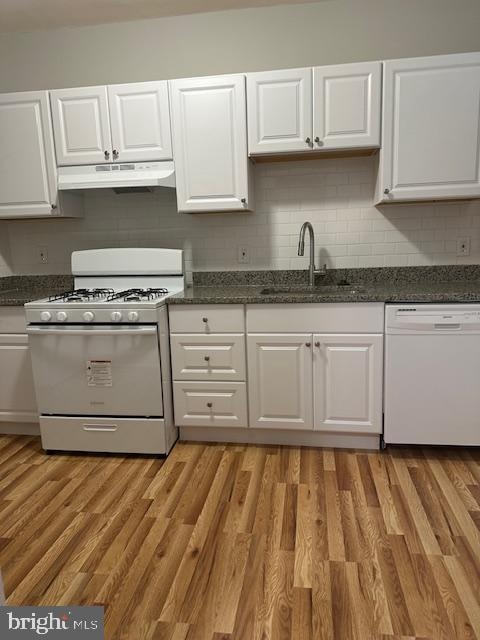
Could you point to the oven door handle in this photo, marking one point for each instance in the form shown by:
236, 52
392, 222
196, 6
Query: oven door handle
138, 331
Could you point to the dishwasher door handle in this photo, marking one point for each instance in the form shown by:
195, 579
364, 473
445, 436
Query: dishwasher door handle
450, 326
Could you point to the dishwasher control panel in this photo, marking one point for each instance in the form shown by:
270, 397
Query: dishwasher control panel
432, 318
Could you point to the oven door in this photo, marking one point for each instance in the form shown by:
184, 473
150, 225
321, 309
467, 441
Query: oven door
96, 370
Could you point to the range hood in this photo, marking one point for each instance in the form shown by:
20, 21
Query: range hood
121, 177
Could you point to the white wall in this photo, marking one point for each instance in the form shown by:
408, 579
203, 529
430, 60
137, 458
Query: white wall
335, 195
325, 32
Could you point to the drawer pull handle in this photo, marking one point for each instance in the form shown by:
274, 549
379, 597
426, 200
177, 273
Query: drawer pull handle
207, 358
109, 428
205, 320
209, 405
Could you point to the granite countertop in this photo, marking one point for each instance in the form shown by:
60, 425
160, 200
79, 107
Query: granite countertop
15, 291
422, 292
451, 283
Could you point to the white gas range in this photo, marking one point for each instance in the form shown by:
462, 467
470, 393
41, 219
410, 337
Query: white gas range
100, 353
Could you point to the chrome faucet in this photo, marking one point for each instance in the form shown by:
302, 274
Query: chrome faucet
312, 272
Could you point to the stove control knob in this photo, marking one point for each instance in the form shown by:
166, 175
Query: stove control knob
61, 316
45, 316
88, 316
133, 316
116, 316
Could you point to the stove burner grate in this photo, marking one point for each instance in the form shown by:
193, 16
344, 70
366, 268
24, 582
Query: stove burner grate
137, 295
80, 295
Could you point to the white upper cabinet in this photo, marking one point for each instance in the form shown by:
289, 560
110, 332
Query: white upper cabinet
81, 125
119, 123
346, 101
210, 143
140, 121
347, 383
431, 129
27, 163
327, 108
279, 107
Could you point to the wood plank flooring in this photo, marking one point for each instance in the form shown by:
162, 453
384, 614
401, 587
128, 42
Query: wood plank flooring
226, 542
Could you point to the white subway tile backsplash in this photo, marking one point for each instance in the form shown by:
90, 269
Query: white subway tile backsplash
336, 195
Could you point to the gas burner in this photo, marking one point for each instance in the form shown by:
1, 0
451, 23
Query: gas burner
81, 295
138, 295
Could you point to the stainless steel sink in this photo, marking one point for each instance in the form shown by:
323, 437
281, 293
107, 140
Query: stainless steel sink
303, 290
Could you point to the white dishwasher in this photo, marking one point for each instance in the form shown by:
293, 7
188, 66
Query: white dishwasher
432, 374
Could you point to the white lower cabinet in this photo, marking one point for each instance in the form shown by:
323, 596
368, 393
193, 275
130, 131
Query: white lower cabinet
209, 365
314, 370
347, 383
310, 381
210, 404
280, 381
17, 394
215, 357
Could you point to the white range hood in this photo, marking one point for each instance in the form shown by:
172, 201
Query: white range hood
121, 177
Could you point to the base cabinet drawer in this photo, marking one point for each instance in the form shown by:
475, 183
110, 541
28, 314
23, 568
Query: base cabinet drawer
208, 404
115, 435
216, 357
207, 318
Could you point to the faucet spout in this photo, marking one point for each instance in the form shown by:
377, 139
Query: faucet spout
301, 251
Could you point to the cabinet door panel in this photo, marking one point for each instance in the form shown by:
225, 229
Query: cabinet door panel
140, 121
210, 143
347, 105
81, 125
347, 383
431, 139
212, 357
280, 381
27, 164
17, 395
210, 404
279, 111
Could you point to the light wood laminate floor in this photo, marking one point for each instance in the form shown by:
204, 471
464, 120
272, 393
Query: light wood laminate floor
248, 542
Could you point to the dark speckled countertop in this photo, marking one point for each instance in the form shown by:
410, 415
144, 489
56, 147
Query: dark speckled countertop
450, 283
422, 292
15, 291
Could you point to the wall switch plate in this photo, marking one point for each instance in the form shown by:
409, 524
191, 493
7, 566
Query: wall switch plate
463, 246
243, 255
42, 255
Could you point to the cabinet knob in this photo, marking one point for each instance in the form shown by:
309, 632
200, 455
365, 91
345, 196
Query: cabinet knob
106, 154
386, 191
209, 405
243, 201
207, 358
54, 206
318, 141
115, 153
307, 140
205, 320
308, 344
317, 344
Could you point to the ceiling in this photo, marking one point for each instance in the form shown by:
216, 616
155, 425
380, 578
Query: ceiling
30, 15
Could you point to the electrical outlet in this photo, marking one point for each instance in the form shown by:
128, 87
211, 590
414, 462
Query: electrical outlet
243, 255
42, 255
463, 246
